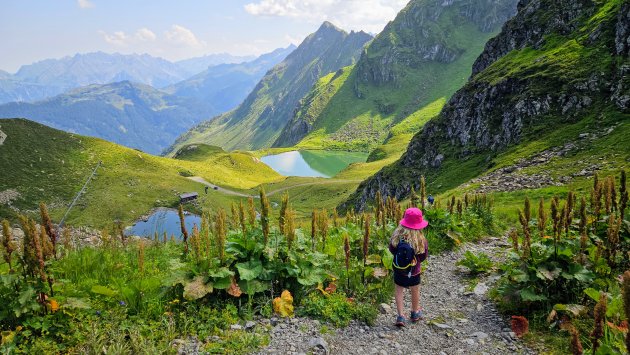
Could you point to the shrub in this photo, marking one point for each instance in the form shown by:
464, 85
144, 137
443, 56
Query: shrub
477, 264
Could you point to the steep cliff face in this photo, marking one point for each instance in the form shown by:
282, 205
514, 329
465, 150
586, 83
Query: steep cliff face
423, 32
556, 63
424, 55
258, 121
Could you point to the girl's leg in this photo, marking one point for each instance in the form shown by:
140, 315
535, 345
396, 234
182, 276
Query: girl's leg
415, 298
400, 306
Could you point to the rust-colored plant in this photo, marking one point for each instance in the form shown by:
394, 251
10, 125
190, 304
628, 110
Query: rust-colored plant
379, 204
576, 344
290, 227
264, 214
366, 239
220, 234
467, 200
451, 206
283, 213
8, 245
322, 221
596, 200
241, 217
459, 208
614, 226
542, 217
583, 232
251, 212
599, 315
568, 216
514, 237
335, 218
414, 198
527, 241
50, 229
195, 240
520, 325
233, 221
182, 224
39, 250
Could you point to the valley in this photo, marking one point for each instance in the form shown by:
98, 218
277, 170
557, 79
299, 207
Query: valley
245, 204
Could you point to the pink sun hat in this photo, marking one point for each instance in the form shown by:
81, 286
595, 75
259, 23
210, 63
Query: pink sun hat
413, 219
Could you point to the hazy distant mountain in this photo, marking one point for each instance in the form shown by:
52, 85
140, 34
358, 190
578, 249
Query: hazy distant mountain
102, 68
134, 115
227, 85
199, 64
4, 75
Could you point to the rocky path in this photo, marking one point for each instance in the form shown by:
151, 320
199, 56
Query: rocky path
459, 319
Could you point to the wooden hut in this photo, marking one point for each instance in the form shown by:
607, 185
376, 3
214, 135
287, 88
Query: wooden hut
187, 197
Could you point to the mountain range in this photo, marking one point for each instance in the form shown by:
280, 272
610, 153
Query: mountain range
51, 77
140, 116
258, 121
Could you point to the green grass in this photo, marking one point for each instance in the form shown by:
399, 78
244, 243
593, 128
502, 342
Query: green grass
51, 166
344, 121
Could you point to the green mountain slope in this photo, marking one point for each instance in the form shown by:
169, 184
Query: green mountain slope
549, 101
51, 166
421, 58
130, 114
257, 122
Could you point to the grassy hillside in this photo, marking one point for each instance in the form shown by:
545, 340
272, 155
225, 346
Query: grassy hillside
543, 103
134, 115
51, 166
258, 121
414, 65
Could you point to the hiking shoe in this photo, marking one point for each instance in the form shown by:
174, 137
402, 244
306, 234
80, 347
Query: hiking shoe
416, 316
400, 321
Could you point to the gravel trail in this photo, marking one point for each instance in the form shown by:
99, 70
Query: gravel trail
458, 320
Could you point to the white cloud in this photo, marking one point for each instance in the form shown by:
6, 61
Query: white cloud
368, 15
85, 4
181, 36
145, 34
118, 38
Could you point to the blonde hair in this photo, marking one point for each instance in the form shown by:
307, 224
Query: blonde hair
415, 238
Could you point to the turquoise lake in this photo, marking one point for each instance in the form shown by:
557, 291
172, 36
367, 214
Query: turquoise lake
313, 163
163, 220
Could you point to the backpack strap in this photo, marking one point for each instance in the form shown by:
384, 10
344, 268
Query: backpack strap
395, 263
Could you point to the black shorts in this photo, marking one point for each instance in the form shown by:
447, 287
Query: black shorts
403, 279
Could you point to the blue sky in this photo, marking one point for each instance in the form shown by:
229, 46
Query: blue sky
33, 30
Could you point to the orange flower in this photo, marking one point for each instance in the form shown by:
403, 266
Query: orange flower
52, 305
547, 237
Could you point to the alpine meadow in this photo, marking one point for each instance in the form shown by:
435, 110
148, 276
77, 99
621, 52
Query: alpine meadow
297, 177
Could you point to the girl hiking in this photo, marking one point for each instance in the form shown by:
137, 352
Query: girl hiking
410, 249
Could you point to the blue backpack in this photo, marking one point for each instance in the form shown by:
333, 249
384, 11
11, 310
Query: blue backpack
404, 257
